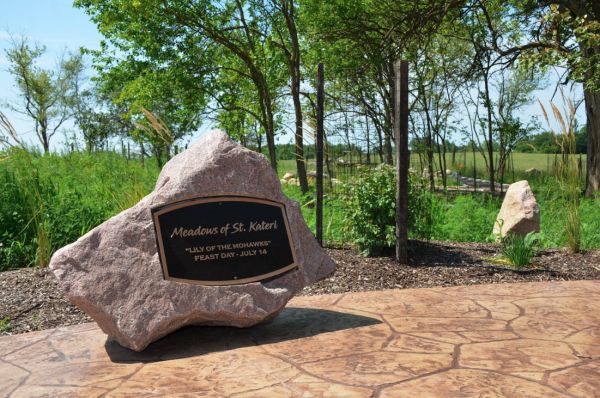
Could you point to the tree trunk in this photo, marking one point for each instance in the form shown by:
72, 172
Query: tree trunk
429, 150
592, 111
168, 152
368, 140
430, 165
158, 152
490, 138
258, 139
269, 127
299, 148
388, 147
294, 69
442, 160
380, 141
44, 137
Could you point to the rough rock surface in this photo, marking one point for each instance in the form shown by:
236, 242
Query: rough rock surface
113, 272
520, 213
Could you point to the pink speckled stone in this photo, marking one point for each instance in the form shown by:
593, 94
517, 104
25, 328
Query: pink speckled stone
113, 272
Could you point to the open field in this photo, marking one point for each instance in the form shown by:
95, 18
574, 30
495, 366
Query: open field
521, 161
465, 161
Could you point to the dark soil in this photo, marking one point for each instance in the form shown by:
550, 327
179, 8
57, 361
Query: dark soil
450, 264
31, 299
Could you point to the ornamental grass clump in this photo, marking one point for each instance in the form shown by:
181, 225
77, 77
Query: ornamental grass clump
567, 171
519, 249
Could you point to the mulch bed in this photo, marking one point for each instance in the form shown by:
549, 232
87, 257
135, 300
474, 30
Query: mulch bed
31, 299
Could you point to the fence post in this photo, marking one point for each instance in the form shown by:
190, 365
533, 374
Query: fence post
402, 161
319, 152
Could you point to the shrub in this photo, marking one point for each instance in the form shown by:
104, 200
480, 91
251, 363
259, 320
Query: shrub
519, 249
371, 210
371, 203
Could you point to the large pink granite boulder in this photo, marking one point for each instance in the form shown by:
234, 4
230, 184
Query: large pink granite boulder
113, 272
520, 212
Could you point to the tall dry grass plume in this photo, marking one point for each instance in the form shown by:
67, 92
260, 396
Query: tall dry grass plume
156, 128
567, 172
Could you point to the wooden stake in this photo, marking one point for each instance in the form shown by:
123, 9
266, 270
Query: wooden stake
402, 161
319, 151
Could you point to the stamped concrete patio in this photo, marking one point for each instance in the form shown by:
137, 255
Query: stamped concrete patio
517, 340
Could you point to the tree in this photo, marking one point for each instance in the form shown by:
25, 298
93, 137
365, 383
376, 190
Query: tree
514, 88
131, 79
439, 70
289, 43
47, 95
361, 40
165, 95
564, 33
193, 36
99, 118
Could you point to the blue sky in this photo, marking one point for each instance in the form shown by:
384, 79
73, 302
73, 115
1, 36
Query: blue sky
55, 24
60, 27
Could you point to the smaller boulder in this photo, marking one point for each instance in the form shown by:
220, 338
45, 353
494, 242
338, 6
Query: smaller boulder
519, 214
288, 175
533, 172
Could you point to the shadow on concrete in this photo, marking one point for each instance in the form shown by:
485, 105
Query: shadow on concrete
191, 341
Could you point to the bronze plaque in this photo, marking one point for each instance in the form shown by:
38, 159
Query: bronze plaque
223, 240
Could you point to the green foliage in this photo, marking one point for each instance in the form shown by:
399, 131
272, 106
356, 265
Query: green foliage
546, 143
519, 249
554, 210
334, 226
178, 58
577, 45
567, 171
426, 210
47, 95
371, 210
5, 325
467, 218
590, 223
47, 202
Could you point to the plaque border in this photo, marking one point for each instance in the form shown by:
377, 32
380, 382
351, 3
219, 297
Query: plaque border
171, 206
